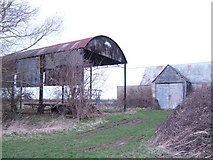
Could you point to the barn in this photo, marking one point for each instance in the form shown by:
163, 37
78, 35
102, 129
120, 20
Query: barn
172, 83
60, 65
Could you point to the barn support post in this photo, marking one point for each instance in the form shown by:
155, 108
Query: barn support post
185, 90
21, 90
62, 94
41, 86
12, 95
13, 104
90, 82
124, 87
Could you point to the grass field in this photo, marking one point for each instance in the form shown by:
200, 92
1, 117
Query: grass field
112, 135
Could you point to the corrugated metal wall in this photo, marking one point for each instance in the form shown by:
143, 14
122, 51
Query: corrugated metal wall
169, 75
64, 68
28, 72
169, 95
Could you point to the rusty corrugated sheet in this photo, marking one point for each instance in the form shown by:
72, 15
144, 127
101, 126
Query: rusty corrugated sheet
169, 95
170, 75
96, 51
8, 71
69, 76
28, 72
194, 72
64, 68
54, 48
68, 58
100, 45
106, 47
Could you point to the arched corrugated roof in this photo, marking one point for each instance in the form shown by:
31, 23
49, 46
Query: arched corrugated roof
101, 45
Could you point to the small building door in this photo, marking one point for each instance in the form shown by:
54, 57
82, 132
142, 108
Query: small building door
169, 95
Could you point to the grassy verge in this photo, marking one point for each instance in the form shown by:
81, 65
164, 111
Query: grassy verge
118, 137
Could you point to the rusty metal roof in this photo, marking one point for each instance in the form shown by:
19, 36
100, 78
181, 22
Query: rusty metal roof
91, 44
194, 72
170, 74
54, 48
97, 51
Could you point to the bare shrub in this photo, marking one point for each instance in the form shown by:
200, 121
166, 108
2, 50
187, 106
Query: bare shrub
70, 73
187, 131
137, 96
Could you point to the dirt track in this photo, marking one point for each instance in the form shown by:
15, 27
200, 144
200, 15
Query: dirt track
125, 122
118, 142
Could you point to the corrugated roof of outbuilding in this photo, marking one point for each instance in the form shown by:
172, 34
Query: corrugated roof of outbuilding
174, 70
195, 72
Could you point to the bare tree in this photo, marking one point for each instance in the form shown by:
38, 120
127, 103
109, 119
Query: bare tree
19, 30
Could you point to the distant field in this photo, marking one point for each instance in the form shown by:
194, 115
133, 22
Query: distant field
111, 135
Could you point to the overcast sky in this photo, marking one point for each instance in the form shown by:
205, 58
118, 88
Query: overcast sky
150, 32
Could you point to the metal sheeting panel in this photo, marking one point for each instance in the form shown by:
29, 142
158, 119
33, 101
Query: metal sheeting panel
64, 68
68, 58
194, 72
64, 75
169, 95
169, 75
99, 45
28, 72
8, 71
150, 74
7, 79
63, 47
162, 93
7, 76
176, 94
106, 47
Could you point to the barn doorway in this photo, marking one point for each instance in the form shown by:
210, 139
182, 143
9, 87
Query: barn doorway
169, 95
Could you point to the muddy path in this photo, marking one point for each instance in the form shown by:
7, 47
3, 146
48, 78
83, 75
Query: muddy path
118, 142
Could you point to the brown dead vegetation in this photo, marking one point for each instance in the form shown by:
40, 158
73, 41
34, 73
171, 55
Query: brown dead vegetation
137, 96
187, 132
26, 124
80, 110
